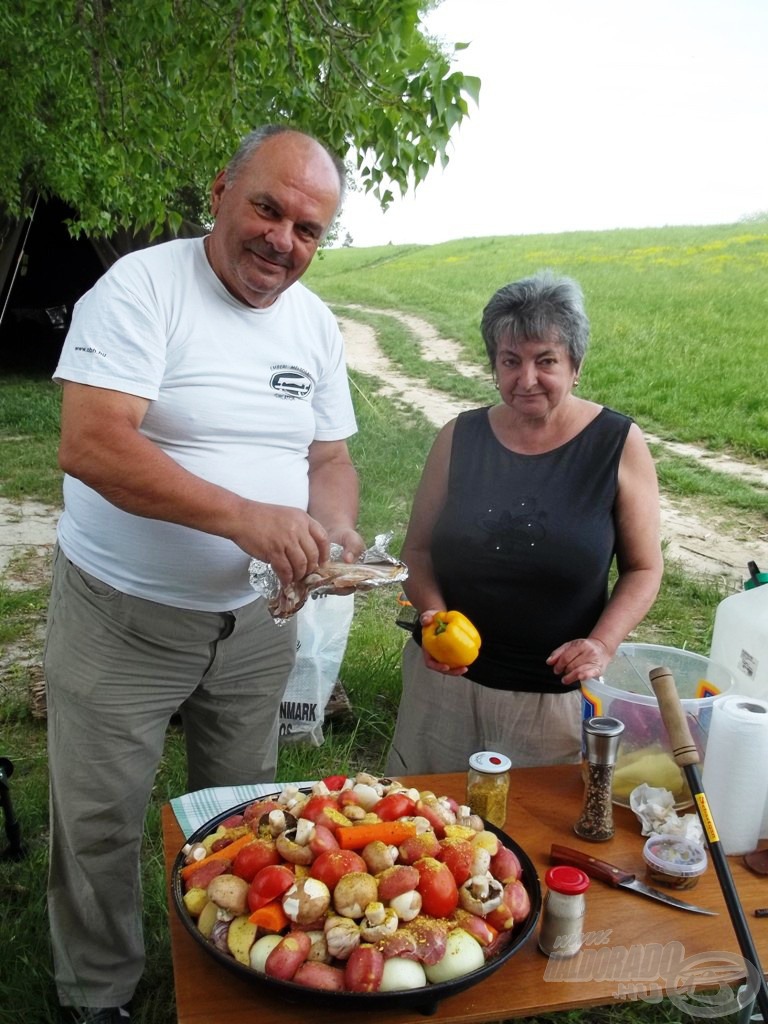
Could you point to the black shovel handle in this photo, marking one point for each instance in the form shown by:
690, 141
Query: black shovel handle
686, 755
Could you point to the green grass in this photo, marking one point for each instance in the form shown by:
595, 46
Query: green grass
677, 341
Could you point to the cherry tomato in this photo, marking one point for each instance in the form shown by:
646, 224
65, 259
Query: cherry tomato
437, 887
253, 857
328, 867
315, 806
272, 881
394, 806
334, 782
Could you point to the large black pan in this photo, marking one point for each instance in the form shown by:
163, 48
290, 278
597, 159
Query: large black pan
424, 999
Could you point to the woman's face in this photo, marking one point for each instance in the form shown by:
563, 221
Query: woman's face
534, 376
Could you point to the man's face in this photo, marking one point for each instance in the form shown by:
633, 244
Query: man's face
271, 217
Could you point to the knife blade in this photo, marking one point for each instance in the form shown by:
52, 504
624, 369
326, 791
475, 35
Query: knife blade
617, 877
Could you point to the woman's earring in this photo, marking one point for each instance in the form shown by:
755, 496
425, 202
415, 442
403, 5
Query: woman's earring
576, 382
495, 382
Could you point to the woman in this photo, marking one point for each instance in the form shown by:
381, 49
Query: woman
520, 511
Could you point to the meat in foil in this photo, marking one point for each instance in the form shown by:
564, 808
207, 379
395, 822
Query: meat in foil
375, 568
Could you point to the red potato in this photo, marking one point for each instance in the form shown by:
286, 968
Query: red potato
515, 907
426, 844
437, 887
476, 926
320, 976
270, 883
254, 811
204, 875
329, 867
253, 857
402, 943
426, 809
457, 855
322, 840
505, 865
396, 880
232, 821
364, 969
288, 955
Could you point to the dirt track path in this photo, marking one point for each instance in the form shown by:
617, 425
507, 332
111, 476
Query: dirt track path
704, 542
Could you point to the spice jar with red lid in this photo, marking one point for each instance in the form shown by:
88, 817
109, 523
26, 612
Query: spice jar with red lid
562, 916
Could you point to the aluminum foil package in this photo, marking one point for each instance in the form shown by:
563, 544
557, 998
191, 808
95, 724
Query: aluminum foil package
374, 568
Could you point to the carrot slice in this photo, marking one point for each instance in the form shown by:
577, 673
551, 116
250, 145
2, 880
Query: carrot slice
225, 853
355, 837
271, 917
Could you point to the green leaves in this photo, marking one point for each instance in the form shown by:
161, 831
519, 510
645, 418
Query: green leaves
122, 108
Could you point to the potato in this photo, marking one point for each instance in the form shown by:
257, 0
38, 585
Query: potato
207, 919
261, 949
240, 938
286, 958
195, 900
321, 976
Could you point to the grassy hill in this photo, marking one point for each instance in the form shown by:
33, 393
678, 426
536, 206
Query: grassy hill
679, 315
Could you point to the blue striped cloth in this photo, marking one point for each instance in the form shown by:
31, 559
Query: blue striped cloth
195, 809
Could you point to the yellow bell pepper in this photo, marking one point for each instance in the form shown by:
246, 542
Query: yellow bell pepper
451, 639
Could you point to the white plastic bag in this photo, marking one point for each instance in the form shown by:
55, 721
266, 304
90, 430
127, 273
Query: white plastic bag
321, 640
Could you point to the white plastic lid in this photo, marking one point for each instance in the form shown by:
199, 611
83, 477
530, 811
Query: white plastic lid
675, 855
489, 762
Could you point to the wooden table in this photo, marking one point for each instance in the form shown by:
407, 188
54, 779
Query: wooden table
543, 805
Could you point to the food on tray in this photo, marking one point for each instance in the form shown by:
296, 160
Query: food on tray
358, 885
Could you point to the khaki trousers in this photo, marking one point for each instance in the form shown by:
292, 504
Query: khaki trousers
117, 668
443, 719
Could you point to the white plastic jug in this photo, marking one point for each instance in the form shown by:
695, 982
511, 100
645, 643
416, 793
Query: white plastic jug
740, 640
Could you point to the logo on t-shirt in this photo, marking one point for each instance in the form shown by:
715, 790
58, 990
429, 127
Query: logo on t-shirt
291, 383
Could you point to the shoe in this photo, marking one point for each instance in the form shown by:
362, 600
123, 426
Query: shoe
101, 1015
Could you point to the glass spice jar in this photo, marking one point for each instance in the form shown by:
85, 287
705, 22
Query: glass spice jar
562, 914
488, 786
601, 743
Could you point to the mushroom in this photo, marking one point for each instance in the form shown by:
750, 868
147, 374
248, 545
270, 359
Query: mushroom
278, 821
379, 856
481, 894
378, 923
194, 852
306, 901
407, 905
464, 816
353, 892
290, 849
229, 893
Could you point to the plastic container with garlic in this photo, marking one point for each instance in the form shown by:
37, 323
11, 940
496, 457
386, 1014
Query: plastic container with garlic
674, 861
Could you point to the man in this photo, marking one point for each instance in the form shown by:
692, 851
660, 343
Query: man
204, 416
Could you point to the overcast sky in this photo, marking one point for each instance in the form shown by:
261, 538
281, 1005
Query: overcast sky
594, 114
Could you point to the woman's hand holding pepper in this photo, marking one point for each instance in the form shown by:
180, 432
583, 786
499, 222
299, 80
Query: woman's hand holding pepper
579, 660
426, 619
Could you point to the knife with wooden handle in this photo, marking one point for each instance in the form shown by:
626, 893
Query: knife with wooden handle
617, 877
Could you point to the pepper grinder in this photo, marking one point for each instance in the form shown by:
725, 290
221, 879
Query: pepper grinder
601, 743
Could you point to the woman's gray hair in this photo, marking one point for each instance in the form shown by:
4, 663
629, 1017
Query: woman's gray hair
532, 309
254, 139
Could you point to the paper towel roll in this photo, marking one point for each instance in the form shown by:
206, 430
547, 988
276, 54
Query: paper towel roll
735, 773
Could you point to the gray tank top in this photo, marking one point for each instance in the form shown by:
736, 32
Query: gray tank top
524, 544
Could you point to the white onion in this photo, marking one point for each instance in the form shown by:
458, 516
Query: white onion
463, 954
400, 973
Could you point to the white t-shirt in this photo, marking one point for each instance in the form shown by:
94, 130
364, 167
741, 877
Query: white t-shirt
236, 395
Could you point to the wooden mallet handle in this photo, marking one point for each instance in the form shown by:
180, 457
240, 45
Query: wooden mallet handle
684, 749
